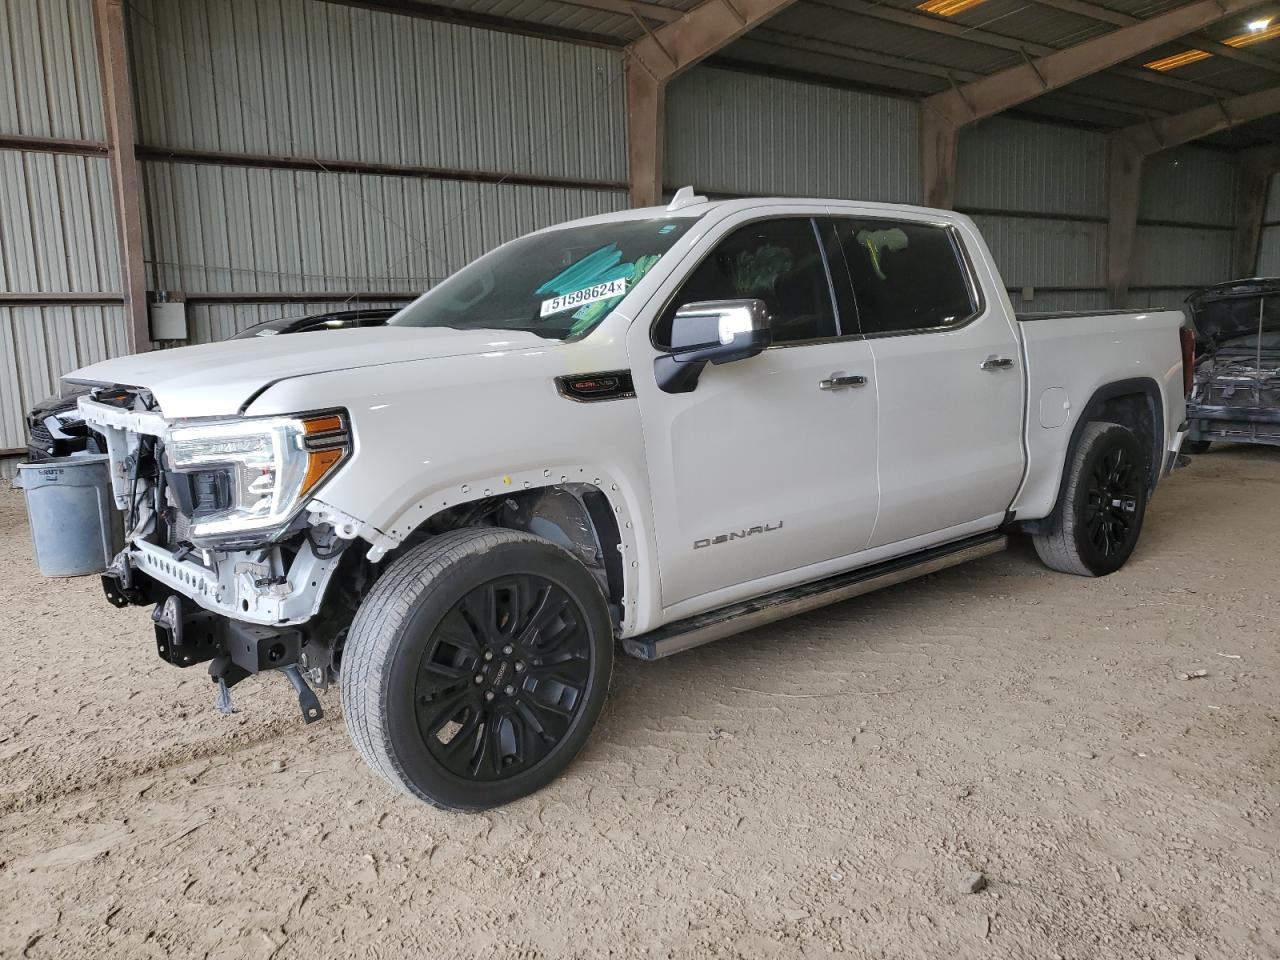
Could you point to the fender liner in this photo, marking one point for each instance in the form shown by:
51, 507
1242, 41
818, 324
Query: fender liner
607, 504
1128, 388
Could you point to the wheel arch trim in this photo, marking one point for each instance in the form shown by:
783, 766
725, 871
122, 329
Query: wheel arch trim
639, 563
1146, 387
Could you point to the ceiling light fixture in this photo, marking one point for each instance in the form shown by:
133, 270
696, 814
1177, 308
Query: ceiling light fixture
1259, 30
947, 8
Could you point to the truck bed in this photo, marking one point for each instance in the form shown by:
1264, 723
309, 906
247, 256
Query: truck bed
1066, 364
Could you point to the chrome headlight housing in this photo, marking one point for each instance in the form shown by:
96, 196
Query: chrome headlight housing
248, 478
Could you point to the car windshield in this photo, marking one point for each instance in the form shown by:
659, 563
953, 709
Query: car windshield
559, 284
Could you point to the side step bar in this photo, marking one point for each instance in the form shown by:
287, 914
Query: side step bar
716, 624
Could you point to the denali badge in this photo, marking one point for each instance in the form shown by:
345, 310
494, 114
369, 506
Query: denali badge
737, 535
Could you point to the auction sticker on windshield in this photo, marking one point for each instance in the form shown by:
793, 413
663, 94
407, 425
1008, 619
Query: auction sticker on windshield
578, 298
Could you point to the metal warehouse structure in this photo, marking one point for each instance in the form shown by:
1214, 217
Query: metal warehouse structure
252, 158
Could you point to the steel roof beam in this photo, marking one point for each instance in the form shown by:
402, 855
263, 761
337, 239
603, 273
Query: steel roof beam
659, 56
943, 114
1026, 81
712, 25
1197, 40
1166, 132
959, 31
1132, 145
840, 51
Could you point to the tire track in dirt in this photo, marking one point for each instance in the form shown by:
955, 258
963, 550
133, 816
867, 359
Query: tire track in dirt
121, 771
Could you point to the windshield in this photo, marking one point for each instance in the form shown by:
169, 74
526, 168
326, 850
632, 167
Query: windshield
559, 284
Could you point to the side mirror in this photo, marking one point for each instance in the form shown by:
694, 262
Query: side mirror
712, 331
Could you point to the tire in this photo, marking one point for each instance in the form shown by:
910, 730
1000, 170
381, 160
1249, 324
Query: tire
1196, 447
494, 642
1104, 499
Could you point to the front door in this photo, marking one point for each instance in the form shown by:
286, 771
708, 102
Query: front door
948, 368
767, 467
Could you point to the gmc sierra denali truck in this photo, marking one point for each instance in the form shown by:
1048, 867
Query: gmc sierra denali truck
657, 427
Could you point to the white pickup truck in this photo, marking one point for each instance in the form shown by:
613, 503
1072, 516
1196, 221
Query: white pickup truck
659, 426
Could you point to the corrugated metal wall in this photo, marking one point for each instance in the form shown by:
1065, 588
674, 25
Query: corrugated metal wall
53, 75
300, 78
1269, 248
730, 132
1031, 168
1039, 195
57, 222
1186, 220
1038, 191
236, 229
37, 346
305, 80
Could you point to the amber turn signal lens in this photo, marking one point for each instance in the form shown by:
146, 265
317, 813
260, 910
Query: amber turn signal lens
328, 423
327, 443
320, 462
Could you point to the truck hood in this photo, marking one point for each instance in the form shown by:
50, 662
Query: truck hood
1227, 311
219, 379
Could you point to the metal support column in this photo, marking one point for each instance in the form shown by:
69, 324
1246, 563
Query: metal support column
118, 107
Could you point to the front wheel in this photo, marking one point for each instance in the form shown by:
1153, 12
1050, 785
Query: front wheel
1104, 499
476, 667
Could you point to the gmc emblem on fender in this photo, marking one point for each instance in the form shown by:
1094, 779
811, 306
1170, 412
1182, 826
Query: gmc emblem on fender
737, 535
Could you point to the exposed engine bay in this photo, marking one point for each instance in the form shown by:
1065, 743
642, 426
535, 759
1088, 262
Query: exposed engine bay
233, 583
1235, 395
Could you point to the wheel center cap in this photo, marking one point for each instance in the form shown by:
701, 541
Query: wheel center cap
500, 671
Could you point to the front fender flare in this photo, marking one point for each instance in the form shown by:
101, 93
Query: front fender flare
638, 560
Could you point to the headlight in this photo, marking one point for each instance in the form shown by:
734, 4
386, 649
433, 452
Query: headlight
248, 478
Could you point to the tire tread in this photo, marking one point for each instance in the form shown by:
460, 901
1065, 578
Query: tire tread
1057, 550
369, 644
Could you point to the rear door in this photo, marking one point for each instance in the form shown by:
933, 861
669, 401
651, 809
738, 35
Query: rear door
948, 372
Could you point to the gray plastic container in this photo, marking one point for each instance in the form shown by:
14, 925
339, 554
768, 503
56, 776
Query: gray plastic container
75, 526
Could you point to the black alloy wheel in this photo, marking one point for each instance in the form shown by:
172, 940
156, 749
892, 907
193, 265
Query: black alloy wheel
1115, 488
503, 677
476, 667
1096, 524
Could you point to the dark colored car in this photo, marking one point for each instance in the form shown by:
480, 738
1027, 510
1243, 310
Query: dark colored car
1235, 394
54, 427
338, 320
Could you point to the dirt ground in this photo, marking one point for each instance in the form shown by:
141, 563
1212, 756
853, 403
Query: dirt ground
818, 787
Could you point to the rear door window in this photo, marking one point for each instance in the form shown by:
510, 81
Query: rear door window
906, 276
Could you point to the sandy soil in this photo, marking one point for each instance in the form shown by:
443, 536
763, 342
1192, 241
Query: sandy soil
814, 788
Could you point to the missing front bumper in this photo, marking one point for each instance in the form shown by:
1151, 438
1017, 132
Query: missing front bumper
187, 635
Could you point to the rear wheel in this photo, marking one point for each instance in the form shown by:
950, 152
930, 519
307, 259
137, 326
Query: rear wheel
1099, 515
476, 667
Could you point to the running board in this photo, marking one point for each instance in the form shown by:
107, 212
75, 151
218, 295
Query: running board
717, 624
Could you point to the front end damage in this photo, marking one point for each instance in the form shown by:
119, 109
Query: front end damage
239, 578
1236, 394
250, 571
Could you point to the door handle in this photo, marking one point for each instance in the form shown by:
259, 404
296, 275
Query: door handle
997, 363
836, 381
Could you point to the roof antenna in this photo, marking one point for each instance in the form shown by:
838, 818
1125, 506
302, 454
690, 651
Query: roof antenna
685, 197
